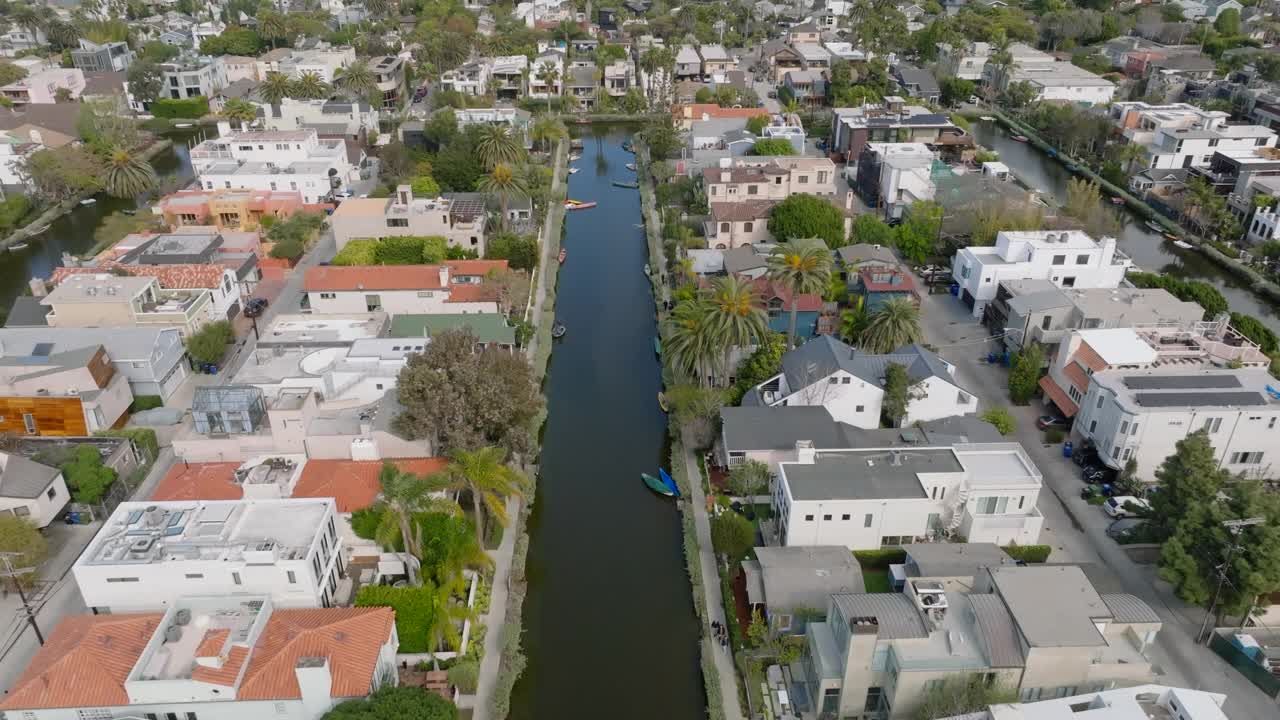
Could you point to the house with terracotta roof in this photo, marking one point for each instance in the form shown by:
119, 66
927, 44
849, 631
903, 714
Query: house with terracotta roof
150, 554
685, 115
454, 286
215, 658
227, 209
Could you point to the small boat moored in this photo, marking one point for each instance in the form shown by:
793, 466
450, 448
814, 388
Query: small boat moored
1117, 201
662, 402
182, 125
573, 170
625, 184
647, 270
18, 246
558, 330
631, 167
563, 254
1155, 226
657, 345
88, 201
577, 205
1019, 138
657, 485
668, 481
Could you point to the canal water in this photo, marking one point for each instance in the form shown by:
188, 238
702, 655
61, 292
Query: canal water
609, 624
73, 232
1149, 250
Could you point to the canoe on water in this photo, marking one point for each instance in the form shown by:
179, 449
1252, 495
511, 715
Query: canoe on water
657, 345
656, 485
669, 482
662, 403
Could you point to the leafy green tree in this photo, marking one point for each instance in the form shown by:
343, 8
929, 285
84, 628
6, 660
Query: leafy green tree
1024, 373
146, 81
957, 90
10, 73
504, 184
158, 52
773, 146
87, 478
897, 393
1189, 480
1252, 328
732, 536
20, 535
497, 145
239, 110
233, 41
749, 478
1019, 94
737, 317
208, 344
759, 366
917, 237
520, 251
458, 168
961, 695
425, 186
1002, 419
869, 229
488, 478
802, 216
663, 140
357, 80
894, 324
756, 125
803, 269
309, 86
1228, 22
1128, 482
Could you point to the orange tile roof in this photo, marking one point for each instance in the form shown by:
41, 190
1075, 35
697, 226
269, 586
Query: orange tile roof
391, 277
199, 481
1059, 398
1078, 376
212, 642
353, 484
350, 638
84, 663
473, 293
189, 276
711, 110
1088, 357
230, 670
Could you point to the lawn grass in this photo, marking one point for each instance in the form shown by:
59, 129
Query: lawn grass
876, 580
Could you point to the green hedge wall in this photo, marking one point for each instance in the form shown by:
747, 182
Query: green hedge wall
190, 108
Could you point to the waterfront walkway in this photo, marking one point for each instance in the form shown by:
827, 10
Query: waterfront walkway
711, 586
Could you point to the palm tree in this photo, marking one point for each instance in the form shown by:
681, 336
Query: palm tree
403, 495
240, 110
688, 338
548, 75
444, 615
127, 175
310, 86
27, 18
895, 324
276, 87
547, 129
490, 480
61, 33
358, 80
497, 146
802, 270
738, 316
272, 26
854, 320
378, 8
650, 61
504, 184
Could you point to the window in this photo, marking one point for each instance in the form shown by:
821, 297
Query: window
235, 578
964, 272
1069, 281
52, 493
875, 696
866, 520
833, 380
122, 580
826, 518
1093, 425
753, 189
327, 296
992, 505
808, 518
748, 227
845, 516
293, 577
1124, 427
1099, 401
1030, 694
1022, 501
804, 179
1082, 259
933, 685
191, 716
933, 492
1059, 259
724, 227
1046, 322
1246, 458
29, 422
398, 222
1134, 430
1212, 424
171, 716
194, 576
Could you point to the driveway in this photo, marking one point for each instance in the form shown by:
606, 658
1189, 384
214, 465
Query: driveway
1077, 530
763, 89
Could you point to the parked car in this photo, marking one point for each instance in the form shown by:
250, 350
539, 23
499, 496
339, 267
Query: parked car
1087, 455
773, 94
1099, 473
1124, 526
1124, 506
1045, 422
255, 307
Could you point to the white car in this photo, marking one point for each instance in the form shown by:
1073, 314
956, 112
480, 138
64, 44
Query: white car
1122, 506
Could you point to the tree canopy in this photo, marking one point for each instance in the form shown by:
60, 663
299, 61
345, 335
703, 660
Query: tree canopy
803, 216
395, 703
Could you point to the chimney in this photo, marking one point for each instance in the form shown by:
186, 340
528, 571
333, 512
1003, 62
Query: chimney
444, 276
848, 200
805, 454
224, 128
404, 194
38, 288
315, 685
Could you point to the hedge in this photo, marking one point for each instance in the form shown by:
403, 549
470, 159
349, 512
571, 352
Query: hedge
144, 438
880, 559
1028, 553
413, 606
190, 108
145, 402
357, 252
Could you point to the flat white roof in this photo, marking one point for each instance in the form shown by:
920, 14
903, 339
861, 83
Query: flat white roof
1119, 346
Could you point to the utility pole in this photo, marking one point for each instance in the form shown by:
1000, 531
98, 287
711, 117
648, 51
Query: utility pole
13, 574
1235, 527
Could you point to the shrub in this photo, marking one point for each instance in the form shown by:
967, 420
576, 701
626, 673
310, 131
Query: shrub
880, 559
287, 249
12, 210
520, 251
1029, 553
465, 676
357, 252
414, 607
209, 343
1002, 419
425, 186
189, 108
146, 402
144, 438
773, 146
405, 250
364, 522
86, 476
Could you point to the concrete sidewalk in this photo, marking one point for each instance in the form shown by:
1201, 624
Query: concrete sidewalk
711, 586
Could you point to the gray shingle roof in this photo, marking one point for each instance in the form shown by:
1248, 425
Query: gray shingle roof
953, 559
823, 355
867, 475
766, 428
806, 577
1126, 608
922, 79
23, 478
893, 612
999, 637
121, 343
862, 252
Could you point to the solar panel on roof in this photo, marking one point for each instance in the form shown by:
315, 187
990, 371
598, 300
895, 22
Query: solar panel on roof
42, 349
1205, 399
1181, 382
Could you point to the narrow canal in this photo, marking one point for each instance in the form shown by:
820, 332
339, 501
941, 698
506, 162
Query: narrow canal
609, 625
1149, 250
73, 232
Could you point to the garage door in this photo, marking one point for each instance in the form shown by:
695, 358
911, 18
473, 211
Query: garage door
968, 299
174, 378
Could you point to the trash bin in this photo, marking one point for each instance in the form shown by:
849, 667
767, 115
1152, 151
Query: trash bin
1066, 449
955, 289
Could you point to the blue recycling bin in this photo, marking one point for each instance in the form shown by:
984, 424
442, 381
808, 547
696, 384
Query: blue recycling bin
955, 289
1066, 449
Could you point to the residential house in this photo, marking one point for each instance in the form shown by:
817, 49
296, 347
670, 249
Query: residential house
738, 224
966, 62
850, 383
358, 372
798, 56
1044, 631
1070, 259
1119, 704
31, 490
455, 286
14, 152
328, 118
1037, 310
41, 87
388, 71
506, 76
239, 67
1083, 353
1062, 81
489, 329
232, 210
582, 85
516, 120
102, 57
714, 140
106, 300
850, 259
688, 64
786, 126
323, 62
893, 176
917, 83
1195, 147
192, 76
716, 60
743, 179
461, 222
958, 567
470, 79
893, 121
786, 585
619, 77
1170, 76
61, 392
685, 115
1141, 414
209, 657
1207, 9
295, 160
804, 33
779, 303
546, 66
153, 360
809, 87
17, 38
877, 286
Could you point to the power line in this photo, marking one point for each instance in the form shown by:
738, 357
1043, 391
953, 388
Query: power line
1235, 527
12, 574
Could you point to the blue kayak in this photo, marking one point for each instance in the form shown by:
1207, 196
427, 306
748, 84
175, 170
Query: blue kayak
666, 480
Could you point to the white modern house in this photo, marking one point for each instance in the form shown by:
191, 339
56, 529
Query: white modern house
31, 490
1143, 414
1067, 259
455, 286
850, 384
148, 555
1194, 147
296, 160
870, 498
1125, 703
212, 658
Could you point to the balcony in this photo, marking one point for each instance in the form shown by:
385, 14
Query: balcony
1002, 529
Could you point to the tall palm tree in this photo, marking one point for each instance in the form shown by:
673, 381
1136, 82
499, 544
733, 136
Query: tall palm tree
358, 80
895, 324
688, 339
310, 86
275, 87
378, 8
62, 34
504, 184
443, 616
650, 61
497, 146
27, 18
803, 270
240, 110
486, 474
403, 495
547, 129
738, 317
127, 175
273, 26
548, 75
